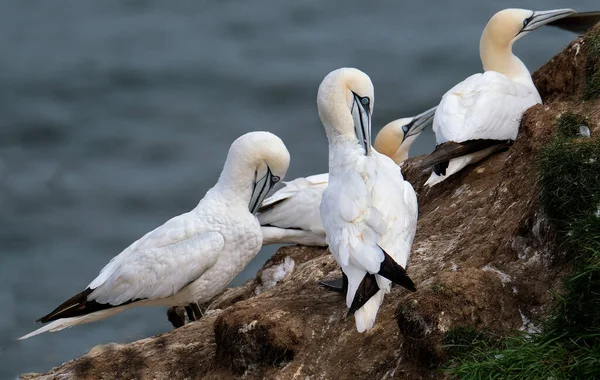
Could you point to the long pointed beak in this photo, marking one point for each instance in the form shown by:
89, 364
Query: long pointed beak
361, 114
540, 18
260, 190
420, 122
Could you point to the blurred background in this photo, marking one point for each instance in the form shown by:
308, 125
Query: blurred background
117, 115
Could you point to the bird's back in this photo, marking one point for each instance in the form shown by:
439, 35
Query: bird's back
483, 106
296, 205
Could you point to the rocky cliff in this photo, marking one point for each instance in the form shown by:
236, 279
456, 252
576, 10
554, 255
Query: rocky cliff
484, 257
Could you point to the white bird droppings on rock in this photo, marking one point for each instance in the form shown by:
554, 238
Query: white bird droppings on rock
504, 278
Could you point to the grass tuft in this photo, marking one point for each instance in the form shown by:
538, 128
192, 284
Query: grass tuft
462, 341
569, 124
569, 180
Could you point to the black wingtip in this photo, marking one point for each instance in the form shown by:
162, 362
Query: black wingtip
394, 272
339, 285
74, 302
451, 149
76, 306
368, 288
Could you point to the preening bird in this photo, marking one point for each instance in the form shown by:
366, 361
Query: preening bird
368, 210
193, 256
481, 114
291, 215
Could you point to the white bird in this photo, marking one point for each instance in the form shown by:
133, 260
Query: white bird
291, 215
192, 256
481, 114
369, 211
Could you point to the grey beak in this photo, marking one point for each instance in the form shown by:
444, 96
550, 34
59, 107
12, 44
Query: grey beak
361, 113
261, 189
419, 123
541, 18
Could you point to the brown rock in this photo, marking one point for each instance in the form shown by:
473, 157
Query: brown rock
484, 256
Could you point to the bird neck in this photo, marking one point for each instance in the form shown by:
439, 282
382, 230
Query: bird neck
499, 57
344, 152
401, 154
235, 181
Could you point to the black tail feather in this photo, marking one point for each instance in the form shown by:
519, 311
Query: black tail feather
368, 288
394, 272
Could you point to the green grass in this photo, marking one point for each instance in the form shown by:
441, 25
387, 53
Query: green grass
523, 357
569, 124
570, 180
592, 43
568, 345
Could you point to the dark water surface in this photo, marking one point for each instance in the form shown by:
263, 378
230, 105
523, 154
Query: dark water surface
115, 116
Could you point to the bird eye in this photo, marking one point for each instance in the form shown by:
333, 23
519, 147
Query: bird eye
275, 179
525, 22
405, 128
365, 101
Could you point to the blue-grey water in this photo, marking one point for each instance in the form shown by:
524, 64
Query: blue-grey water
117, 115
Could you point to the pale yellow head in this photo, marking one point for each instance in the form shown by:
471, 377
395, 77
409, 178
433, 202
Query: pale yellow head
503, 30
255, 163
345, 103
396, 137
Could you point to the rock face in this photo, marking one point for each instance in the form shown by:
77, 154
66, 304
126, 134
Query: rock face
484, 257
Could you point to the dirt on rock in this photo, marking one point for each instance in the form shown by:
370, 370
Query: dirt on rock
484, 257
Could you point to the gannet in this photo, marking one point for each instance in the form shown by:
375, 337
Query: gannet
481, 114
193, 256
369, 211
291, 215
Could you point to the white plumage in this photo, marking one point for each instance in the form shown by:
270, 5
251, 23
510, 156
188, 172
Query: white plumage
488, 107
291, 215
483, 106
368, 209
192, 256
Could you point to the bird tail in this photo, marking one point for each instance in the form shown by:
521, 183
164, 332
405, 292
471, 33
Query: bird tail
434, 179
365, 316
65, 323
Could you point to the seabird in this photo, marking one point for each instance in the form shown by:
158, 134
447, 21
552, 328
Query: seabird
193, 256
369, 211
481, 114
291, 215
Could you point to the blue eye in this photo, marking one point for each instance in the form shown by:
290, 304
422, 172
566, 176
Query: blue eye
365, 101
275, 179
405, 128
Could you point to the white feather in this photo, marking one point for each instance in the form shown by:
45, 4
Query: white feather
483, 106
296, 219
